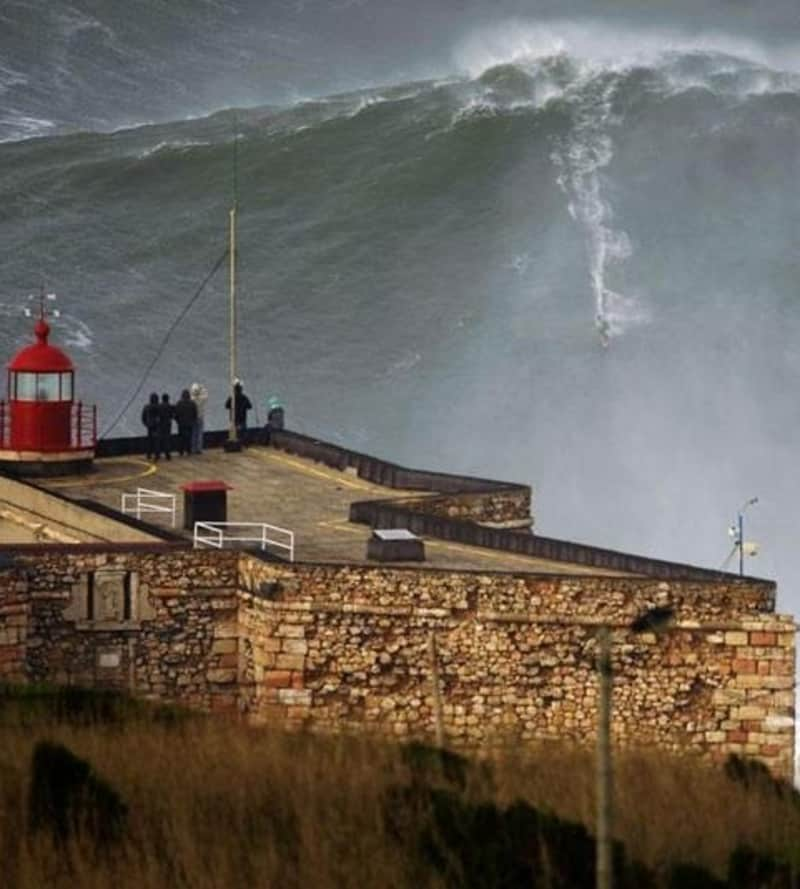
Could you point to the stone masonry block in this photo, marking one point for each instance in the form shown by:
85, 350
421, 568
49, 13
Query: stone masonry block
278, 678
226, 630
750, 681
290, 661
222, 676
728, 696
295, 696
736, 638
291, 631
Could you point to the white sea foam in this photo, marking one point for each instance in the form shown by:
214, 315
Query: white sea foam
10, 77
520, 263
580, 158
74, 22
517, 41
76, 333
21, 126
403, 364
363, 103
179, 145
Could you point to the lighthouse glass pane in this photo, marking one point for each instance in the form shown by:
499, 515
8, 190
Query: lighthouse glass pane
25, 386
66, 387
47, 387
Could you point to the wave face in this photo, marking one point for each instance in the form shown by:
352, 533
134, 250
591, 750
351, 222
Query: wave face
424, 268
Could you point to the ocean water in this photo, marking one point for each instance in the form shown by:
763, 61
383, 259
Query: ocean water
562, 252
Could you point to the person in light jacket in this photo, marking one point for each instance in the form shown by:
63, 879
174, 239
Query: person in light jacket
199, 395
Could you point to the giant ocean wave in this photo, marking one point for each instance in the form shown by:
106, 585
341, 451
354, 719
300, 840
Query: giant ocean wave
424, 266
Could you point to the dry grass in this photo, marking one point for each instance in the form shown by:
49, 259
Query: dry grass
667, 809
217, 805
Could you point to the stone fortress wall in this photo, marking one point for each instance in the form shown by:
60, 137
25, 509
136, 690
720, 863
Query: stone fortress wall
339, 647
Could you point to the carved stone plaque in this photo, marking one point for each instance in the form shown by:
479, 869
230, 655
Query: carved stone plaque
108, 659
109, 595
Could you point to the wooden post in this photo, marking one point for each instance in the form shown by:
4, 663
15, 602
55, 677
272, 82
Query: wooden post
604, 775
436, 689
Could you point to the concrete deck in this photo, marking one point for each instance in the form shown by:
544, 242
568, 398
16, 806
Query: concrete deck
271, 486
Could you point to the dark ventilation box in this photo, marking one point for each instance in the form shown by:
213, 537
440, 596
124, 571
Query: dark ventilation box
395, 545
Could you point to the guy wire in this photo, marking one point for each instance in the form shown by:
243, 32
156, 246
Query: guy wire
167, 335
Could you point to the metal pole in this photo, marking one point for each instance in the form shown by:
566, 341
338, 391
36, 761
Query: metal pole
232, 433
604, 776
741, 543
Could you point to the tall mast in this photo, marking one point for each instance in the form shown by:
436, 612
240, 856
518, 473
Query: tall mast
233, 436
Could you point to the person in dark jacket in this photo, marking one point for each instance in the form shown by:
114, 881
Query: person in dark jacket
185, 417
241, 405
150, 417
166, 413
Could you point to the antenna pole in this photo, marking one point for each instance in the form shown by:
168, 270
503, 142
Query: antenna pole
741, 544
233, 433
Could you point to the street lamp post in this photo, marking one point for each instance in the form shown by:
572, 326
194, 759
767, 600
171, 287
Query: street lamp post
738, 534
654, 620
604, 779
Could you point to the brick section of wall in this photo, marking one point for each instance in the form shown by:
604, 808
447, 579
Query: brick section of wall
14, 611
340, 647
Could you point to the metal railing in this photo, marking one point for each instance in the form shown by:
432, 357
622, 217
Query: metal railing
84, 425
82, 428
217, 534
145, 500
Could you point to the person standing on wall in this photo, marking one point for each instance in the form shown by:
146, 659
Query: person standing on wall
199, 397
165, 416
151, 417
241, 405
186, 418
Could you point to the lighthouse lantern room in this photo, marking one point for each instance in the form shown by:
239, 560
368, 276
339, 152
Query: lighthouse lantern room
43, 430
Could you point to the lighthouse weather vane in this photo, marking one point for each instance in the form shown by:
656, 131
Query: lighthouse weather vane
43, 299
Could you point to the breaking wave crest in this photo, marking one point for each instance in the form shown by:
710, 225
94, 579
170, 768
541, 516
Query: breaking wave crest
540, 100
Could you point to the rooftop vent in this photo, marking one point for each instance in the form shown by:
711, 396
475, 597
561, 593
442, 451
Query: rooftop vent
395, 545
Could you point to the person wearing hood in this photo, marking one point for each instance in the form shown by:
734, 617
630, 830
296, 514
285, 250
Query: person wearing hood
199, 395
166, 414
151, 418
185, 417
241, 405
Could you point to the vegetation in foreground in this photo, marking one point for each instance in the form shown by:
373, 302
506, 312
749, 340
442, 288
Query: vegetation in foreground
98, 791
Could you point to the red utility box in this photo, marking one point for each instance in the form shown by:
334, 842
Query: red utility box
204, 501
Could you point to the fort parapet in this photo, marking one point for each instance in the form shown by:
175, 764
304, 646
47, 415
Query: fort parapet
346, 646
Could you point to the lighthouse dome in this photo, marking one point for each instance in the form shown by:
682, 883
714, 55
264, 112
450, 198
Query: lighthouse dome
40, 357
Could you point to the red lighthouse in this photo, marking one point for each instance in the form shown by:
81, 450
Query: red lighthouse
42, 429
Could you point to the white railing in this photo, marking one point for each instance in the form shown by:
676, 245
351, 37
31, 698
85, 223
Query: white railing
145, 500
217, 534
